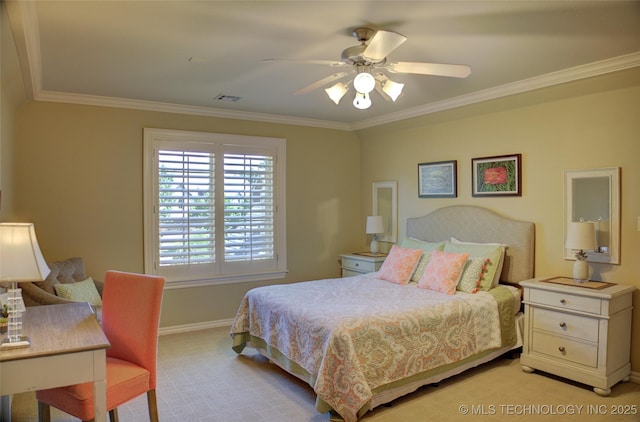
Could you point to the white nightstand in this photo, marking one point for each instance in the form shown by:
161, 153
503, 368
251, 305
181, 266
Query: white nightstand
578, 333
354, 264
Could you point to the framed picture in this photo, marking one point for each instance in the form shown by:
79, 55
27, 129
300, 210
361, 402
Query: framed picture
496, 176
438, 180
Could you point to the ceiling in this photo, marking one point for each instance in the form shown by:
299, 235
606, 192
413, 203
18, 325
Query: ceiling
179, 56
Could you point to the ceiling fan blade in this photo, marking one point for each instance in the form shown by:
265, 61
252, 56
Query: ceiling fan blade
323, 62
320, 83
383, 43
437, 69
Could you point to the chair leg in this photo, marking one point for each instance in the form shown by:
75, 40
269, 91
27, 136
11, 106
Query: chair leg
113, 414
44, 412
153, 406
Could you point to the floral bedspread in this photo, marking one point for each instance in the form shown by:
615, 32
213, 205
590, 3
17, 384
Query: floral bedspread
355, 334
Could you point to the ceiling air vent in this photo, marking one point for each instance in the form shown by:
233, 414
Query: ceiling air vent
227, 98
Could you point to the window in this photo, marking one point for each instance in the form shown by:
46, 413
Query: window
213, 207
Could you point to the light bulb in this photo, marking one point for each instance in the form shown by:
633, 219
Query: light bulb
364, 82
362, 101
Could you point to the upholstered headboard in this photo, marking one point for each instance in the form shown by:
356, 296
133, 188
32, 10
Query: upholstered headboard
476, 224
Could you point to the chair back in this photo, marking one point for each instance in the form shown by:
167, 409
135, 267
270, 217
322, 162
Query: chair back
131, 306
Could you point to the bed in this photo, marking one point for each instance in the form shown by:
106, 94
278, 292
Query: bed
366, 340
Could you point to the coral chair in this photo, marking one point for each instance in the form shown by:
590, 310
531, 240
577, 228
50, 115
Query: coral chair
130, 318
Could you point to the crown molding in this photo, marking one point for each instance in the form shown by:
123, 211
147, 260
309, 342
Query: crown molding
24, 22
95, 100
550, 79
543, 81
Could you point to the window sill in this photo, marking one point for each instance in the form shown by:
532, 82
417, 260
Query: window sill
183, 284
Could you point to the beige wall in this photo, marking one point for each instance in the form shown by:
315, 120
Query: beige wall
12, 97
588, 124
78, 177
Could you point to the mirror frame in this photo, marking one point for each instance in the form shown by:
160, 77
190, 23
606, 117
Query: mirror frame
393, 185
613, 174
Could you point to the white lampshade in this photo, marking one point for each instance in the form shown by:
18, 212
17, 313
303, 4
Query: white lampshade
337, 91
374, 225
581, 236
20, 260
364, 82
362, 101
20, 256
392, 89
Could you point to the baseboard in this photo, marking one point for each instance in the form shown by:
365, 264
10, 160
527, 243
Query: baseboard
635, 377
175, 329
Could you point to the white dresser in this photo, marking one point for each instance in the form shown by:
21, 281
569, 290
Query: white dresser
578, 333
354, 264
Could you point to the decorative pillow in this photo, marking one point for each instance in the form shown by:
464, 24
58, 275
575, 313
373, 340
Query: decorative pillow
494, 253
399, 264
443, 271
422, 265
496, 278
82, 291
472, 275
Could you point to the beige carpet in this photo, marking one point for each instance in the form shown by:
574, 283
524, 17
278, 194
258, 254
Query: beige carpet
202, 379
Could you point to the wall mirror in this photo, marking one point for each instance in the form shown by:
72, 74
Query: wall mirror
385, 203
594, 195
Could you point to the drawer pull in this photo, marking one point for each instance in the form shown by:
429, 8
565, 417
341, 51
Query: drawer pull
562, 349
357, 264
563, 325
564, 302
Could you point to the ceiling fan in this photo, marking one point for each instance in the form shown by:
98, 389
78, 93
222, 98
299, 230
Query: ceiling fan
368, 61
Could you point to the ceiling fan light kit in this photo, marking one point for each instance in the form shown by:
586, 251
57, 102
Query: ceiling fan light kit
367, 59
364, 81
392, 89
362, 101
337, 91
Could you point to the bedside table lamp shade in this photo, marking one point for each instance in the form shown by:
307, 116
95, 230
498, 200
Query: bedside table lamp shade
20, 260
374, 228
581, 236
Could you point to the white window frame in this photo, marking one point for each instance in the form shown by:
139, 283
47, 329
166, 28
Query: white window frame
219, 144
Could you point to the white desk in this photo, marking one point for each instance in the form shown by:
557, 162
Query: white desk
67, 347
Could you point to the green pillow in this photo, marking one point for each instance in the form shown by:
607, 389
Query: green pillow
492, 252
82, 291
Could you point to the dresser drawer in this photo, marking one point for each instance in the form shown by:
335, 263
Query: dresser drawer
566, 301
564, 324
361, 266
566, 349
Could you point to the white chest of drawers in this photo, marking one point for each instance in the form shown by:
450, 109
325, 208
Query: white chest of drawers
578, 333
353, 264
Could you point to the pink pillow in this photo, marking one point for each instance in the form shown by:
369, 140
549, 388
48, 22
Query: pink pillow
443, 271
399, 265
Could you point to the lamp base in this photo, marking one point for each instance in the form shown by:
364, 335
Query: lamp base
374, 247
580, 271
22, 341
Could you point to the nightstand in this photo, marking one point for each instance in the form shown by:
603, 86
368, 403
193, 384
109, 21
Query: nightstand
578, 333
354, 264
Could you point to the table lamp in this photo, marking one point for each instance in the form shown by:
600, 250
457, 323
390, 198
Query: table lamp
374, 228
20, 260
581, 236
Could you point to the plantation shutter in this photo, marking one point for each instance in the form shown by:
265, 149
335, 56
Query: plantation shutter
214, 207
186, 211
249, 207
